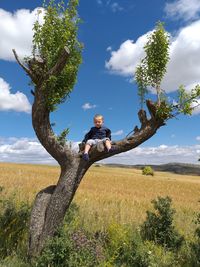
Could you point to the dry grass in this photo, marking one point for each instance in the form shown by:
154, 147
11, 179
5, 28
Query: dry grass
110, 194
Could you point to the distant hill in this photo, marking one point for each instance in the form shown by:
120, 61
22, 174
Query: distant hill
179, 168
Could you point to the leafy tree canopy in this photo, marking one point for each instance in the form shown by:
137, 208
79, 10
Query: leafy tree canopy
150, 73
58, 31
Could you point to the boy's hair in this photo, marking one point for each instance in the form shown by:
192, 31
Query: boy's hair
98, 116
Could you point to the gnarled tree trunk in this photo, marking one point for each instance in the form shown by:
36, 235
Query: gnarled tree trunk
52, 202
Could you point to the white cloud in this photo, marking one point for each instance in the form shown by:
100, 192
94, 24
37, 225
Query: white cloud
109, 48
125, 60
8, 101
120, 132
16, 32
87, 106
24, 150
113, 6
158, 155
183, 9
116, 7
198, 138
27, 150
184, 64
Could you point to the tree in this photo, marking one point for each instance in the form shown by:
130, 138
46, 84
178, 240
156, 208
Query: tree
53, 68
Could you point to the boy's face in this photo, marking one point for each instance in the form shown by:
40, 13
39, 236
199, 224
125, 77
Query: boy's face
98, 122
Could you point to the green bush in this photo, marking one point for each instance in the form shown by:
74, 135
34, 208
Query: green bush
71, 246
195, 246
13, 226
125, 247
147, 170
15, 261
158, 226
132, 252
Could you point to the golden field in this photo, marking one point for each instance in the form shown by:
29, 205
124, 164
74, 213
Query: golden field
109, 194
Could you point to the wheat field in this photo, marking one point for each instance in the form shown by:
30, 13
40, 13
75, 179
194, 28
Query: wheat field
110, 194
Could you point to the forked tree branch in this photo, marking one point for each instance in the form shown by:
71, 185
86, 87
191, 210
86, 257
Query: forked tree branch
27, 70
139, 135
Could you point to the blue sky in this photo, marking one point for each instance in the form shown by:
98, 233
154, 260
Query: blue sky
113, 33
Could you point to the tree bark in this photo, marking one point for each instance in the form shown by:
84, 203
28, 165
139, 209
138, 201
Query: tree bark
52, 202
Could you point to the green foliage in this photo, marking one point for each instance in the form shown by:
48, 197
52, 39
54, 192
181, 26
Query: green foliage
164, 110
71, 246
152, 68
58, 30
195, 246
157, 55
150, 72
147, 170
141, 78
57, 251
187, 99
158, 226
125, 248
62, 137
15, 261
13, 226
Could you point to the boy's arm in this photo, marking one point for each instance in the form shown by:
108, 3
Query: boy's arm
108, 133
87, 136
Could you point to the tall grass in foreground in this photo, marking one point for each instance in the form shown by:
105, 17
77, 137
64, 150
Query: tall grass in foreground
116, 246
108, 195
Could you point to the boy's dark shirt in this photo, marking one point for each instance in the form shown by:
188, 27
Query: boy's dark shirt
97, 133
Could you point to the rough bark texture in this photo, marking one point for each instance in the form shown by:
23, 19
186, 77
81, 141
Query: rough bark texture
52, 202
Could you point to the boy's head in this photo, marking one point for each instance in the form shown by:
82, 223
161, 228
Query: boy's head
98, 120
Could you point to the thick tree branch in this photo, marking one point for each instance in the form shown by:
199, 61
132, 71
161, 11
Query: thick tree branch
139, 136
42, 126
27, 70
61, 62
143, 118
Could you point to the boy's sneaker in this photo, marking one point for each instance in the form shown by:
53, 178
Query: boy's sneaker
112, 149
86, 156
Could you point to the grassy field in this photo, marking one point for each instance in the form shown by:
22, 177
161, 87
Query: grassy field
109, 194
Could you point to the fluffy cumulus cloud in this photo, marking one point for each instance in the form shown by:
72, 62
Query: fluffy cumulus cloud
183, 9
87, 106
16, 102
26, 150
16, 31
23, 150
158, 155
124, 60
183, 67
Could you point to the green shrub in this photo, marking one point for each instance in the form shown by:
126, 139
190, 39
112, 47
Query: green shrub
71, 246
147, 170
15, 261
124, 247
158, 226
13, 226
132, 252
195, 246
